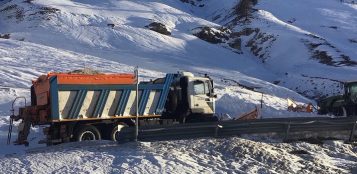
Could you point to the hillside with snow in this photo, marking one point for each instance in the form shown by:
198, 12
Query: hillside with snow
254, 50
114, 32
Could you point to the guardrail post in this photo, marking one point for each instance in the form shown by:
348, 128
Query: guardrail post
353, 132
136, 71
287, 132
216, 130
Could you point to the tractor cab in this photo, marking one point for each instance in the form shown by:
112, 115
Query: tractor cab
351, 92
343, 104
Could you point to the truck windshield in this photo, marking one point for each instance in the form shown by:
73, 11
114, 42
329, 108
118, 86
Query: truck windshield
353, 92
200, 87
353, 88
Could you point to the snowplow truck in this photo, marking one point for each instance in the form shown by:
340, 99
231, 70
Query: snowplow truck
78, 107
341, 105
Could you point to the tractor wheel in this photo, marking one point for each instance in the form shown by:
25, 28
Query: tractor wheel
115, 134
87, 133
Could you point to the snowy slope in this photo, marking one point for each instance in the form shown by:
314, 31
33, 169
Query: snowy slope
323, 26
80, 28
84, 24
302, 42
232, 155
292, 41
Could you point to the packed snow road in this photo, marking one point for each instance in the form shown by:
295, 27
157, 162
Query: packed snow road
232, 155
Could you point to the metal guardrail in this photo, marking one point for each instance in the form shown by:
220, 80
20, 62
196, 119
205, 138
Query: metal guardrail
283, 126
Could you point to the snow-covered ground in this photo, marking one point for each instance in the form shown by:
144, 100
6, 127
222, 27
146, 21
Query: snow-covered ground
231, 155
50, 35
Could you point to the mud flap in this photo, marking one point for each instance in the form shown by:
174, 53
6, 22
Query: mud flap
24, 130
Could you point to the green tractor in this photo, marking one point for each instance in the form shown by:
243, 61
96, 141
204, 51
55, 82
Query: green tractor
341, 105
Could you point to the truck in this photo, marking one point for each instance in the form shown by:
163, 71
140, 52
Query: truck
344, 105
79, 107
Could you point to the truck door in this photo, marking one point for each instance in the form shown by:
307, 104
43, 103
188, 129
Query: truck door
201, 100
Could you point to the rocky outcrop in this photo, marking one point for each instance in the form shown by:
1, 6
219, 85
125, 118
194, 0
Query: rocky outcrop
212, 35
257, 41
197, 3
159, 27
5, 36
324, 52
85, 71
111, 25
236, 44
18, 12
259, 44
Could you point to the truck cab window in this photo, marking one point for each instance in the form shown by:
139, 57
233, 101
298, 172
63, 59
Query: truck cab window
199, 87
208, 86
353, 89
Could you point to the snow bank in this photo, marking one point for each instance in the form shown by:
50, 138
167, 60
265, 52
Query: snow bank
232, 155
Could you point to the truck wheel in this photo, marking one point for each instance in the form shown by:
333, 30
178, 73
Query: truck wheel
115, 134
87, 133
340, 112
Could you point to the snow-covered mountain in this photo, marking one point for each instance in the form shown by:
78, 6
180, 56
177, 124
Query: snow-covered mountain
308, 45
308, 51
281, 48
105, 34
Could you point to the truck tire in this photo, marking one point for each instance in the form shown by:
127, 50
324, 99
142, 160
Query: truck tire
340, 112
173, 99
115, 134
87, 133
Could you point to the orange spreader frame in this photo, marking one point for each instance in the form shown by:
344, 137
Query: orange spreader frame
104, 79
42, 84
